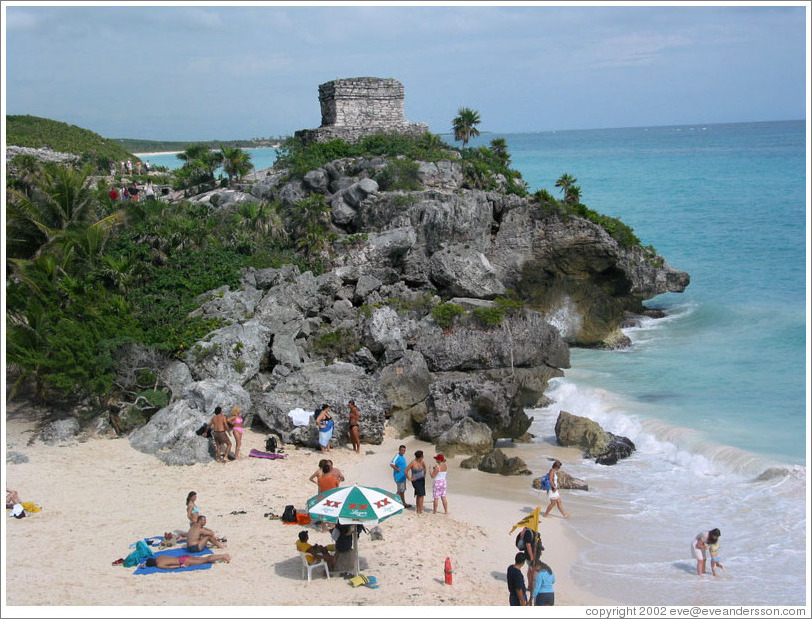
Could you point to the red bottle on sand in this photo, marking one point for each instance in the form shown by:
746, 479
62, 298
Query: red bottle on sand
448, 571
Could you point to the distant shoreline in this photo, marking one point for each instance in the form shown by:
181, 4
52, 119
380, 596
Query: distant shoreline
177, 152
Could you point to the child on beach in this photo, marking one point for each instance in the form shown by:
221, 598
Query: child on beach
713, 549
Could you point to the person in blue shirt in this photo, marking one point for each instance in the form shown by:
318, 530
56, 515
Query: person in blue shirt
398, 465
543, 584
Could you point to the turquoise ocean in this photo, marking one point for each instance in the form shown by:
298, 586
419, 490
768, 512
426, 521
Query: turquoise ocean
715, 396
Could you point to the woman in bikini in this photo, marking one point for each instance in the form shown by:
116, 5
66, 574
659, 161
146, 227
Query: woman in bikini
235, 422
191, 508
355, 437
165, 562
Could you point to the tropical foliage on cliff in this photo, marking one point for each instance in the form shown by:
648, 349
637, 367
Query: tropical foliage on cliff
86, 275
36, 132
301, 158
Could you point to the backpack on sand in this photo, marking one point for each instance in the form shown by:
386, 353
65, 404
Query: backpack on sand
289, 515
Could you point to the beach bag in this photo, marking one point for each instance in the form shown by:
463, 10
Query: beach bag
289, 515
545, 482
270, 444
202, 429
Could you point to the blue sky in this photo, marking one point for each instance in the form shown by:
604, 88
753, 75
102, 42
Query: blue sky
198, 72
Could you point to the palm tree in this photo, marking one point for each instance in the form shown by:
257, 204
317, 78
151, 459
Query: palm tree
200, 164
464, 125
499, 148
573, 195
565, 182
59, 201
236, 162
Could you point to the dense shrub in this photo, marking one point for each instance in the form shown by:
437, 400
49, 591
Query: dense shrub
445, 314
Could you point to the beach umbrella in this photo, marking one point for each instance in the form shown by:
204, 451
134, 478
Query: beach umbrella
354, 505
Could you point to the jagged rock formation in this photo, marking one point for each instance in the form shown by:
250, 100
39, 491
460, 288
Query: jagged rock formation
462, 387
355, 107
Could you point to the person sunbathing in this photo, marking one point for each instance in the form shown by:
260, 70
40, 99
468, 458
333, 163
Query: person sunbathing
12, 498
198, 536
165, 562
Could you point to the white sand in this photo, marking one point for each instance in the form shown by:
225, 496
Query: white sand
100, 496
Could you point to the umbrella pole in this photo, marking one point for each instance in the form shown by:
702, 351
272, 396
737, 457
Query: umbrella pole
355, 544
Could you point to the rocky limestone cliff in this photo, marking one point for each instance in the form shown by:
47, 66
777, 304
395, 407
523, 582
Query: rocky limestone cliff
364, 330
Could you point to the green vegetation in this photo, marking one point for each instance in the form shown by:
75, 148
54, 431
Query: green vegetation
399, 174
445, 314
482, 166
35, 132
337, 344
571, 206
301, 159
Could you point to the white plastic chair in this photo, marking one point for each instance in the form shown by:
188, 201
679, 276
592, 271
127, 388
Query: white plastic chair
309, 567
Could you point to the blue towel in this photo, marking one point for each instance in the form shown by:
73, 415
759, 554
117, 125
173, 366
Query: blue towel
176, 552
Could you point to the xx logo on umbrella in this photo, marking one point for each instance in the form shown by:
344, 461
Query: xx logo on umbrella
357, 505
382, 502
329, 503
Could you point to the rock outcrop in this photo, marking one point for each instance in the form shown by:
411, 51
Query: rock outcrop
369, 328
605, 447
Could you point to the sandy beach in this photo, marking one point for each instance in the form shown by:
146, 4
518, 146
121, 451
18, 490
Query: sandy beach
100, 496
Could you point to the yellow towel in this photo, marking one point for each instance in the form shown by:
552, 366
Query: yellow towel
30, 507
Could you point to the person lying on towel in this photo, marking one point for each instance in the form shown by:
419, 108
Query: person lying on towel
165, 562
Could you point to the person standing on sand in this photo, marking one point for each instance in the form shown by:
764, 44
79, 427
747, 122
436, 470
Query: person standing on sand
355, 437
235, 422
440, 486
416, 473
542, 590
325, 423
221, 442
515, 581
699, 548
552, 494
398, 465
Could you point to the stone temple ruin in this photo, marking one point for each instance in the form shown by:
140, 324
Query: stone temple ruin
355, 107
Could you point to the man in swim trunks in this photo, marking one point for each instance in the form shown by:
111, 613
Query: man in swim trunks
221, 429
198, 536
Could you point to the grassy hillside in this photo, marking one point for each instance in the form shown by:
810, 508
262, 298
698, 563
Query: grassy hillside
35, 132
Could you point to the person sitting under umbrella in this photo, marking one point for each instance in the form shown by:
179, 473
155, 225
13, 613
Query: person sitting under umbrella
314, 551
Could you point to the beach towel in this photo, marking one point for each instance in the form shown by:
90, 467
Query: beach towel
256, 453
360, 579
31, 508
300, 417
175, 552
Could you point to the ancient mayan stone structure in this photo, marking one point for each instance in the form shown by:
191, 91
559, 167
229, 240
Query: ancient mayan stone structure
358, 106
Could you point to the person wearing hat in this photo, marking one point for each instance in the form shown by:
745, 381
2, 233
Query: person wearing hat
438, 473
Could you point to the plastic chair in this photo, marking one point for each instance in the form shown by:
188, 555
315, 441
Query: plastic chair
309, 567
